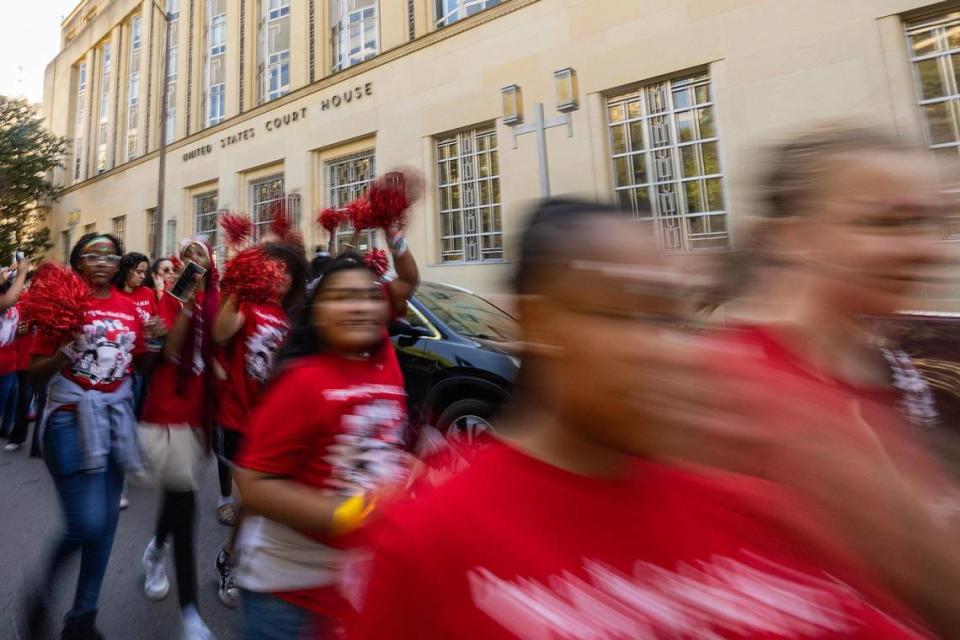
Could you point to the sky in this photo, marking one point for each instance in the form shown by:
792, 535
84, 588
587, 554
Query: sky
29, 40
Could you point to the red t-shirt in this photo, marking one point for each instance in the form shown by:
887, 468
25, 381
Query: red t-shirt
248, 360
146, 301
514, 547
112, 335
9, 321
334, 424
172, 397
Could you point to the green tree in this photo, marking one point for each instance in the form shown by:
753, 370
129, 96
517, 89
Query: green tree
28, 155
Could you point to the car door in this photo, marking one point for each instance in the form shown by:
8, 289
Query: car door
418, 358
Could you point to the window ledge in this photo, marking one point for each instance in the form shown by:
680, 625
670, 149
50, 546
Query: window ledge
474, 263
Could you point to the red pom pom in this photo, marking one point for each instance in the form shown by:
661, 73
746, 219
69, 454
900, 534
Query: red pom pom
331, 219
57, 301
390, 197
177, 263
376, 260
237, 227
360, 214
253, 276
280, 224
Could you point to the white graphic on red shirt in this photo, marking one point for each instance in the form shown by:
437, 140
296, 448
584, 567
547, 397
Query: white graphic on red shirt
368, 453
142, 310
710, 599
105, 351
8, 326
262, 346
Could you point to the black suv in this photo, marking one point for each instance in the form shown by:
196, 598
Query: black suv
455, 351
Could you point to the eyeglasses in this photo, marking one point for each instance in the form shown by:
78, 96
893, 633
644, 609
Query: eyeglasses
98, 258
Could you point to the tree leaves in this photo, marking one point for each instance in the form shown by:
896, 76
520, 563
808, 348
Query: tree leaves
28, 155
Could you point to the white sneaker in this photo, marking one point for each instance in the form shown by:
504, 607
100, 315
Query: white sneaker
194, 628
156, 585
124, 500
11, 446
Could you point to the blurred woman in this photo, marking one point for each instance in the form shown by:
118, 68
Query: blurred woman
11, 285
26, 393
327, 435
572, 527
174, 430
88, 433
162, 276
850, 229
249, 334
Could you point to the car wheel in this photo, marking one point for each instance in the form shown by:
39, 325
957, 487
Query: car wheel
466, 423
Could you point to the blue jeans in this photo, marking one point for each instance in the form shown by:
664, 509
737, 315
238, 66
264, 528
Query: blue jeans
8, 401
91, 509
270, 618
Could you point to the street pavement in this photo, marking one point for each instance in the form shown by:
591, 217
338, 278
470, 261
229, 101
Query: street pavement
30, 518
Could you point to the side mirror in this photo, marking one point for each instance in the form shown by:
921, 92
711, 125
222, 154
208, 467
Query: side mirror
401, 328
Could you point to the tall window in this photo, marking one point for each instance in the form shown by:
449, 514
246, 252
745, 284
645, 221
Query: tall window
449, 11
79, 122
133, 90
205, 216
173, 9
120, 228
171, 237
104, 113
354, 36
266, 196
216, 57
468, 176
664, 145
151, 230
347, 179
274, 67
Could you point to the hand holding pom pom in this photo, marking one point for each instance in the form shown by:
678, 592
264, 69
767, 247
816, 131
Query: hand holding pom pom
238, 228
360, 214
253, 276
280, 224
331, 219
390, 196
57, 302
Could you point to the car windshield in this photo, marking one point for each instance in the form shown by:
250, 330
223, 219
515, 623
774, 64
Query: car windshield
467, 314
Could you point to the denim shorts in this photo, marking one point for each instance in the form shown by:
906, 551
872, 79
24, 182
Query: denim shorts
268, 617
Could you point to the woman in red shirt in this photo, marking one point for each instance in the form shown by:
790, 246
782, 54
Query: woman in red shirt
571, 527
173, 433
88, 433
328, 433
249, 334
850, 230
26, 393
131, 281
162, 276
11, 285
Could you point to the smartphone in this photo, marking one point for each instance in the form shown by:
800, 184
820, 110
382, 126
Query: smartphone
187, 281
17, 256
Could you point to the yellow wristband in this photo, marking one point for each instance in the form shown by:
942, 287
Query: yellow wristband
350, 515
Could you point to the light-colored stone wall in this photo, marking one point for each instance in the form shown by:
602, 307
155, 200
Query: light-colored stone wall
774, 64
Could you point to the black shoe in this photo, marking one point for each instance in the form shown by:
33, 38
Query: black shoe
81, 627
